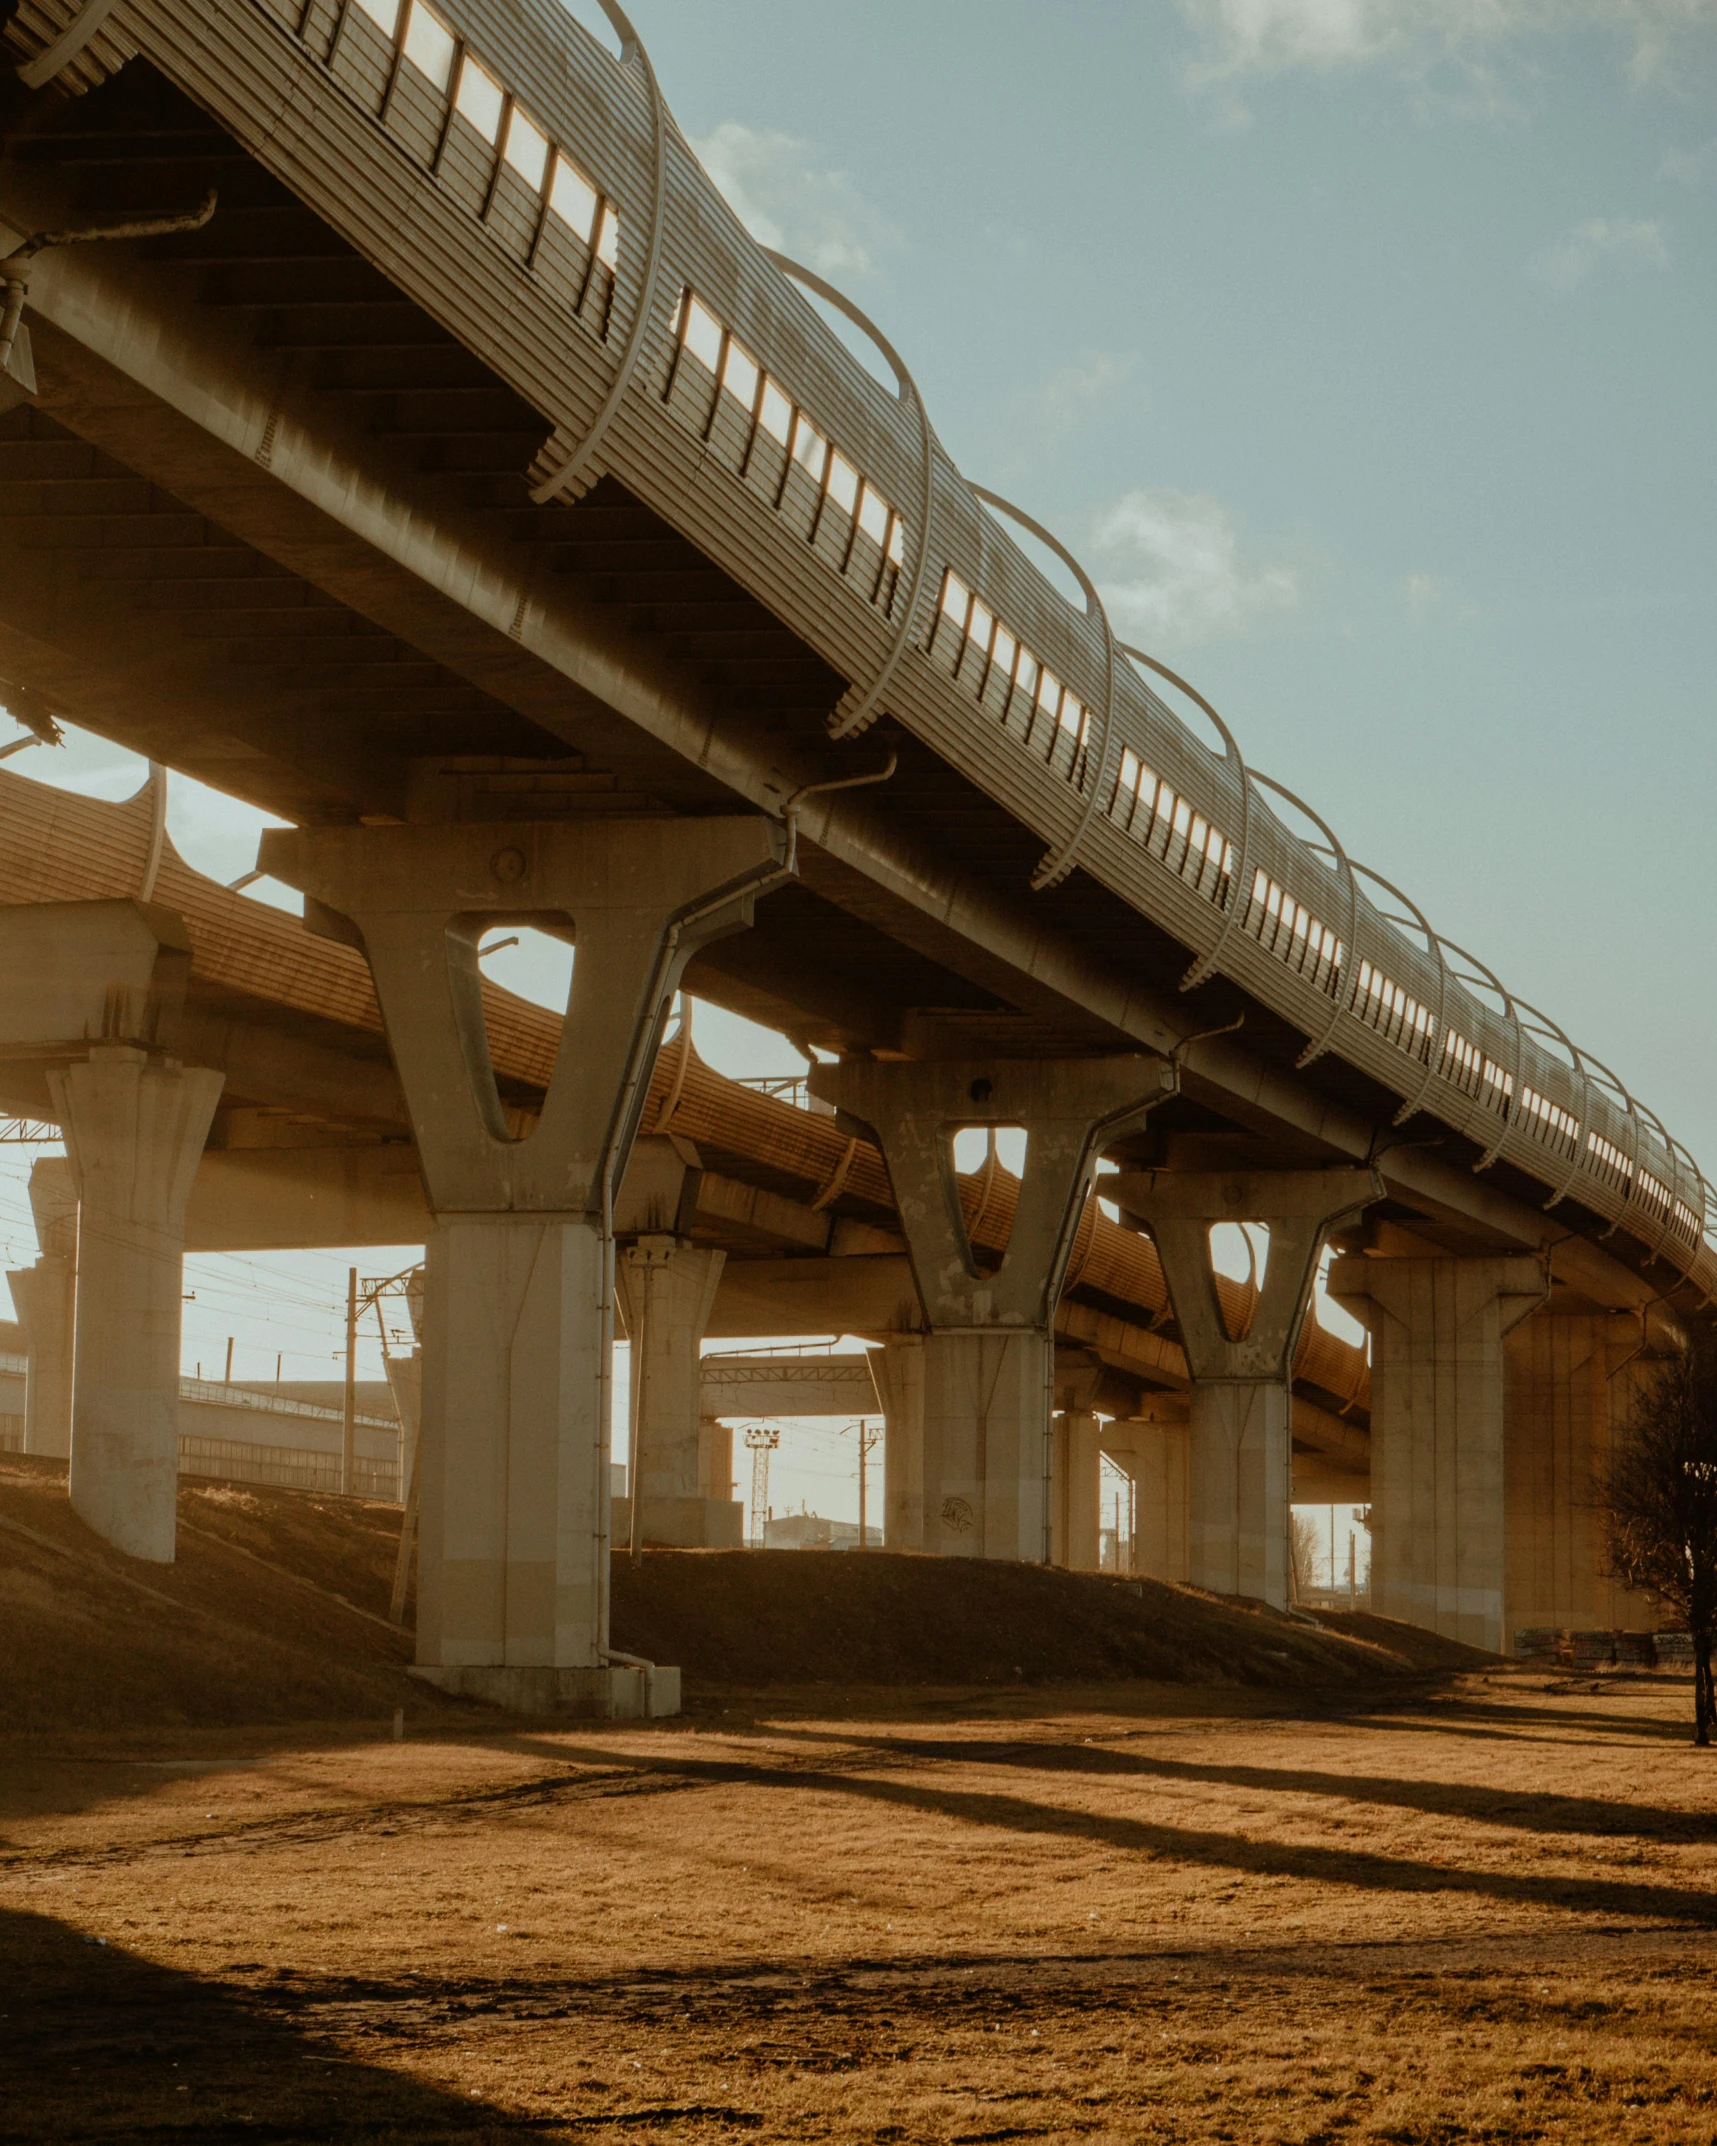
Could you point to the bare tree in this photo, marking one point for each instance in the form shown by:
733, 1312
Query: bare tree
1658, 1500
1303, 1546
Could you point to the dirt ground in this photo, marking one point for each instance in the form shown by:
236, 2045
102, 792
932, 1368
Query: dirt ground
1130, 1912
275, 1611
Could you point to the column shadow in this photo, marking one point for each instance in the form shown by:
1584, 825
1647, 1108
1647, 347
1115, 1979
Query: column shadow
1533, 1811
1352, 1868
100, 2044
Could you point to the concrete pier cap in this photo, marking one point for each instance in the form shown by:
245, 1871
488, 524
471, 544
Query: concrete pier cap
134, 1124
89, 1023
1241, 1411
982, 1383
513, 1463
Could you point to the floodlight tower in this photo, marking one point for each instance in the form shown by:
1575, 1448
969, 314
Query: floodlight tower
762, 1438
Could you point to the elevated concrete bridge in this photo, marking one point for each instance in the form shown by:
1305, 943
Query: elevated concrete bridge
465, 485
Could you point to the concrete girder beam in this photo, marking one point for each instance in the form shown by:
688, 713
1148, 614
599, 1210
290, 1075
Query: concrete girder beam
1242, 1402
81, 972
789, 1385
257, 1199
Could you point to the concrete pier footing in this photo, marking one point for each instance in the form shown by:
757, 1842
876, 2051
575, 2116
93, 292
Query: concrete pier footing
608, 1692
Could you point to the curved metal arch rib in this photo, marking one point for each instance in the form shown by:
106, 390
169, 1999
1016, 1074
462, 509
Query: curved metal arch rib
1517, 1073
1638, 1114
39, 72
1055, 864
577, 461
1578, 1069
1238, 895
856, 710
1434, 945
1342, 995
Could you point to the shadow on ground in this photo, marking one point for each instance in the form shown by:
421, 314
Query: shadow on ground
99, 2044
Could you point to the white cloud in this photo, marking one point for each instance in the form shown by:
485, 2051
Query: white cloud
1618, 241
1424, 592
1172, 563
1242, 37
818, 217
1691, 166
1063, 400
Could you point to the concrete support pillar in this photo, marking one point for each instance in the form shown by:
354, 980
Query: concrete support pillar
513, 1551
989, 1352
405, 1383
667, 1289
1569, 1380
134, 1127
1076, 1479
897, 1367
1437, 1439
1155, 1455
715, 1463
45, 1295
1242, 1404
986, 1442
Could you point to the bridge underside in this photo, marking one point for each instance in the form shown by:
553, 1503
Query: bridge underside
268, 522
175, 595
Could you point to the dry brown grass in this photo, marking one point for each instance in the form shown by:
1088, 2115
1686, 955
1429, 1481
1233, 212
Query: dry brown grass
1130, 1913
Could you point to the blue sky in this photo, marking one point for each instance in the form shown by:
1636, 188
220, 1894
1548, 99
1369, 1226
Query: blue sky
1364, 350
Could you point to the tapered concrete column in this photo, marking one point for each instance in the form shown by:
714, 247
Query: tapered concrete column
1437, 1421
1242, 1403
989, 1353
45, 1295
1569, 1382
1154, 1454
667, 1289
513, 1556
1076, 1477
134, 1127
898, 1370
